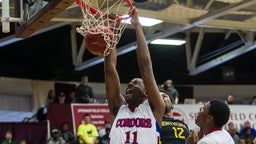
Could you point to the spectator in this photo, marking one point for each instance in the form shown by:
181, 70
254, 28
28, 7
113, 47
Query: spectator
41, 114
8, 138
174, 131
102, 131
104, 138
23, 141
61, 99
242, 141
211, 118
84, 93
229, 99
50, 97
173, 93
87, 132
247, 136
72, 97
254, 100
66, 134
233, 132
247, 124
56, 138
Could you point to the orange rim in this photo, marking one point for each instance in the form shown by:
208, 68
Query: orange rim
84, 5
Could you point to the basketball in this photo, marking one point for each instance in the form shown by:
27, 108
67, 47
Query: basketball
95, 42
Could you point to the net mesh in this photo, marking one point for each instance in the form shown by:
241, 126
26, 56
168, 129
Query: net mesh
113, 14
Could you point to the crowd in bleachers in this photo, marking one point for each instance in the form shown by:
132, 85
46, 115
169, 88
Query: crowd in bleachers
247, 135
87, 133
64, 134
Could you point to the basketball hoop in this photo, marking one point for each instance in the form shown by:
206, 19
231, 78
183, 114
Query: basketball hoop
105, 13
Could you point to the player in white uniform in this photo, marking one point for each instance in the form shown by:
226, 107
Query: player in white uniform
220, 136
138, 114
135, 127
211, 118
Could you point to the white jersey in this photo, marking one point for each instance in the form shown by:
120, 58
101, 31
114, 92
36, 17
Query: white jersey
135, 127
217, 137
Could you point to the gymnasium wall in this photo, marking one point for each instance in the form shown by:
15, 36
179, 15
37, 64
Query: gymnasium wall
29, 95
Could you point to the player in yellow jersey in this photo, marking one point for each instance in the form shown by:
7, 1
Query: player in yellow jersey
174, 131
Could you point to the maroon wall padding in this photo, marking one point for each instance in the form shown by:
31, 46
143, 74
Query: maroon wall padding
58, 114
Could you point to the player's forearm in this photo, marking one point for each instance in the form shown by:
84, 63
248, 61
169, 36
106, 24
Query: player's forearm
111, 75
112, 81
110, 61
143, 55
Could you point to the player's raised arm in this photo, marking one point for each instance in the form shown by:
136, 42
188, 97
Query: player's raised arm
146, 70
115, 100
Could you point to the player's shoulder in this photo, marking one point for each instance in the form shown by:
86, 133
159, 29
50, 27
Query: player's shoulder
183, 123
180, 122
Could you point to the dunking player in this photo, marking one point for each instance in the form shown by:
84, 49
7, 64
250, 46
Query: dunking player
174, 131
138, 114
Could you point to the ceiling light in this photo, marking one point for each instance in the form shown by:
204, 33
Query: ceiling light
168, 42
145, 21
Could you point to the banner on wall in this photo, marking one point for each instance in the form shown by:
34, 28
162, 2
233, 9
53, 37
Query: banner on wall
187, 113
239, 114
98, 112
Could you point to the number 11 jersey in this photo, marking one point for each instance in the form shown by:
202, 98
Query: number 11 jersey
135, 126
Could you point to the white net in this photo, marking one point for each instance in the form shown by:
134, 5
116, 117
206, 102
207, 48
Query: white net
100, 14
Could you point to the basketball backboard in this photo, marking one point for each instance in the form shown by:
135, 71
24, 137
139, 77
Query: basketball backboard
36, 13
